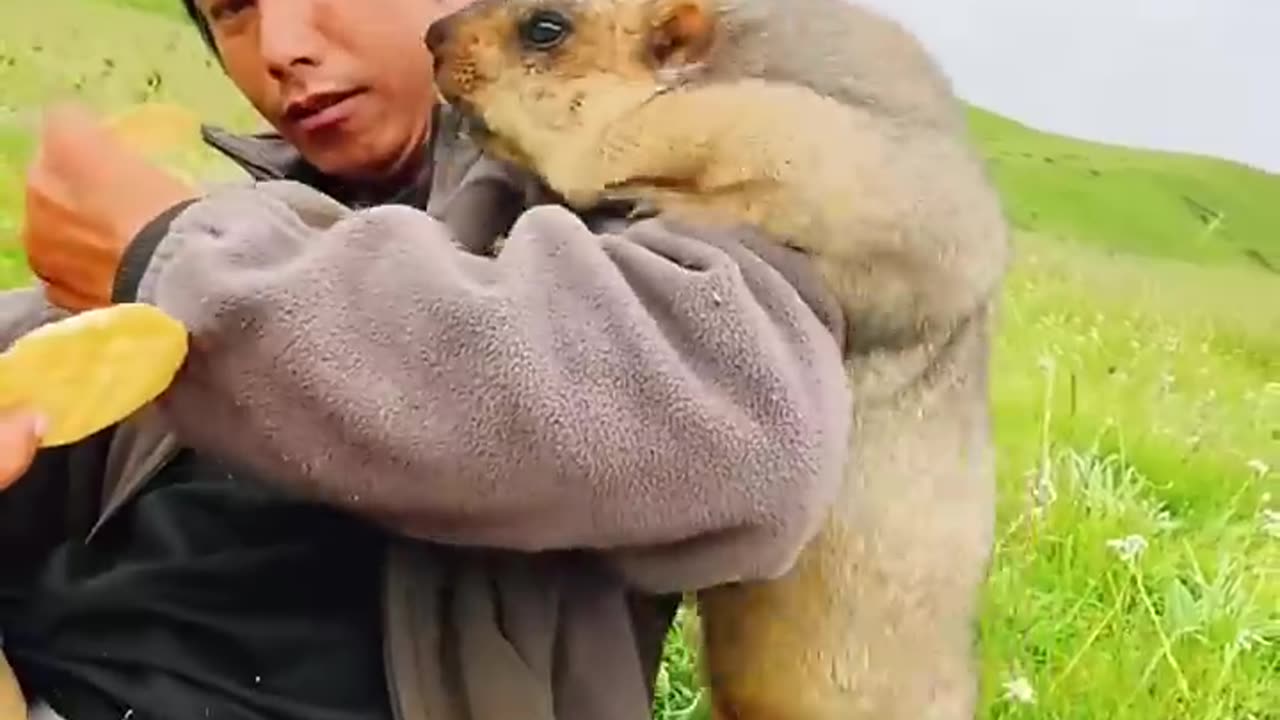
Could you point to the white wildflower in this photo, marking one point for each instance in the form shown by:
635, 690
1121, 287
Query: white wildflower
1247, 640
1259, 468
1019, 689
1271, 523
1128, 548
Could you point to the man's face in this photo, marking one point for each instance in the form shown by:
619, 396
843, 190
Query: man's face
346, 82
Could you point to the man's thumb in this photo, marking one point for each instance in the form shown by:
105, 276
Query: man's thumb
20, 435
71, 135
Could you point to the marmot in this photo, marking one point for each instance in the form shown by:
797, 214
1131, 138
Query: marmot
831, 128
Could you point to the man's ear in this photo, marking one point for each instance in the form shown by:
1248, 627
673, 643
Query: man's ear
681, 33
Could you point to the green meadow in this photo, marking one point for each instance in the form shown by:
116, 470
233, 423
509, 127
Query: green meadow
1136, 386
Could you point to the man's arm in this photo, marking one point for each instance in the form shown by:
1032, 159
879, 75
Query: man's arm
666, 397
23, 310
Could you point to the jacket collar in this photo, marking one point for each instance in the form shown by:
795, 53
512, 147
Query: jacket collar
267, 155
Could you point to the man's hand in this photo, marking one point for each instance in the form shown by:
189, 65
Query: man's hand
88, 195
20, 435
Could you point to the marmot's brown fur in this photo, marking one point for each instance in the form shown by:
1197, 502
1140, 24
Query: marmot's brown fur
830, 127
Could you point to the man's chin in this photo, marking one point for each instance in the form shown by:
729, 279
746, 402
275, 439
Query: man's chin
348, 159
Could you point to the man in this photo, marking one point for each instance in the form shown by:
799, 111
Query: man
400, 475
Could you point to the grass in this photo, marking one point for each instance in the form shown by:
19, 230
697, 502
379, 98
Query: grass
1145, 415
1152, 204
112, 57
1136, 391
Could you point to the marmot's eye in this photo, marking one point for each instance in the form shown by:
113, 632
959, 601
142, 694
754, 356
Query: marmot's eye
545, 29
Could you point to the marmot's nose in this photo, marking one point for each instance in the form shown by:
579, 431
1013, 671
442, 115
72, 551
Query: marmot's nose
437, 35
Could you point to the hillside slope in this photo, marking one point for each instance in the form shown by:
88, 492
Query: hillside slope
1146, 202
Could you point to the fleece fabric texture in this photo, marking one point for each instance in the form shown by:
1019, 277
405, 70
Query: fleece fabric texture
665, 397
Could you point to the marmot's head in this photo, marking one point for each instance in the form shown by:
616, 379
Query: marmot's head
531, 74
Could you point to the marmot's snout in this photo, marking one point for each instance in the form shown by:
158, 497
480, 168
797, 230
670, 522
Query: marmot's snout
451, 78
437, 36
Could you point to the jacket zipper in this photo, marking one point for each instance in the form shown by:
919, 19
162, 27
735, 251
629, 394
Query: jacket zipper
126, 489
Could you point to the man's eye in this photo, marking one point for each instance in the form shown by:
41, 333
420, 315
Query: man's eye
220, 10
545, 29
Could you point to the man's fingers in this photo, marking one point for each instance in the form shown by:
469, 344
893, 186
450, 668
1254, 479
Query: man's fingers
20, 434
71, 126
69, 299
73, 143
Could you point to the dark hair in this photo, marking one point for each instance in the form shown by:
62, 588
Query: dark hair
197, 17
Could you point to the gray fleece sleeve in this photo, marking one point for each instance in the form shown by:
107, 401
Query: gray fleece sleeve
23, 310
667, 399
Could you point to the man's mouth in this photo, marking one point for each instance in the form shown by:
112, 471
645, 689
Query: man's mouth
321, 109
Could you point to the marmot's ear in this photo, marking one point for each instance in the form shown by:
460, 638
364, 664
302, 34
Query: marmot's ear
681, 33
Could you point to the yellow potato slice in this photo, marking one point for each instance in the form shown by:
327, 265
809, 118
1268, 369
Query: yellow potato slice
12, 705
157, 127
94, 369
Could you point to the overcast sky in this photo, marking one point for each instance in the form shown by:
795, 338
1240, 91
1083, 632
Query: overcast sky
1171, 74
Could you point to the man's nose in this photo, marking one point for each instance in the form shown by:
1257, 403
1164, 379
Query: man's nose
288, 36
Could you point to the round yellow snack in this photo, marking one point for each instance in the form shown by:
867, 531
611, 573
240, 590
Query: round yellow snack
157, 127
94, 369
12, 704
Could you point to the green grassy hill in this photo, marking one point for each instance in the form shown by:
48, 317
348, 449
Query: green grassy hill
110, 56
1136, 388
1153, 203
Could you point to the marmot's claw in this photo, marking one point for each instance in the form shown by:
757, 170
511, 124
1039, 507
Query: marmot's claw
582, 199
642, 209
